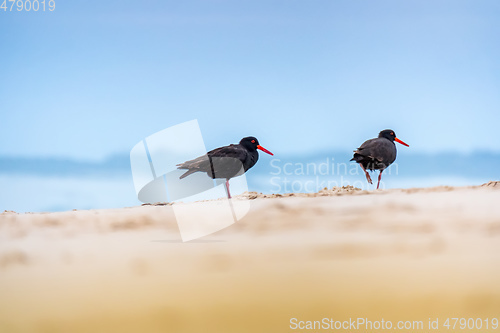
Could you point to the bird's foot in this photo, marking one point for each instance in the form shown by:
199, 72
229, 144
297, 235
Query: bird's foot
368, 178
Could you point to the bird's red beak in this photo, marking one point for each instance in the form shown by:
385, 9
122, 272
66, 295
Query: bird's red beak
401, 142
264, 150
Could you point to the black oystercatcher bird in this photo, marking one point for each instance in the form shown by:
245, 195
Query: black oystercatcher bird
378, 153
226, 162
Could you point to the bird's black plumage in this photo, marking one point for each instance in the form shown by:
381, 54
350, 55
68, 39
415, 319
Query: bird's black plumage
225, 162
378, 153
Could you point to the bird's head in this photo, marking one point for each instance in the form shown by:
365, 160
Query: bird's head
391, 135
251, 143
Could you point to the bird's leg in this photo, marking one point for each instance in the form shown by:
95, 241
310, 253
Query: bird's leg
368, 178
227, 188
379, 177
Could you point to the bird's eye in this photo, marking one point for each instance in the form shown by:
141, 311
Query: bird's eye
253, 141
392, 133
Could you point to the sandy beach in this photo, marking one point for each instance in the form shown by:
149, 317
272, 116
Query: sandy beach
398, 255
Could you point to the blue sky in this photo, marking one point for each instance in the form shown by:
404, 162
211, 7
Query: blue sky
93, 78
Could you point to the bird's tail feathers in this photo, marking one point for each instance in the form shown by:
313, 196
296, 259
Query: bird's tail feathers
357, 157
187, 173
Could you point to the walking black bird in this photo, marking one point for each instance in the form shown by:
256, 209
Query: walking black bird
378, 153
226, 162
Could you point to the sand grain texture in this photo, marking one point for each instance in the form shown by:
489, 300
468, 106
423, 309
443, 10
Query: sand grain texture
342, 253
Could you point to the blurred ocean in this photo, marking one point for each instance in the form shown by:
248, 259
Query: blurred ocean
50, 185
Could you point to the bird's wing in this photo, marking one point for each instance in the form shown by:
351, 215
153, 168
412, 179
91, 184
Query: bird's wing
367, 148
198, 163
227, 162
375, 149
231, 151
371, 149
202, 163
